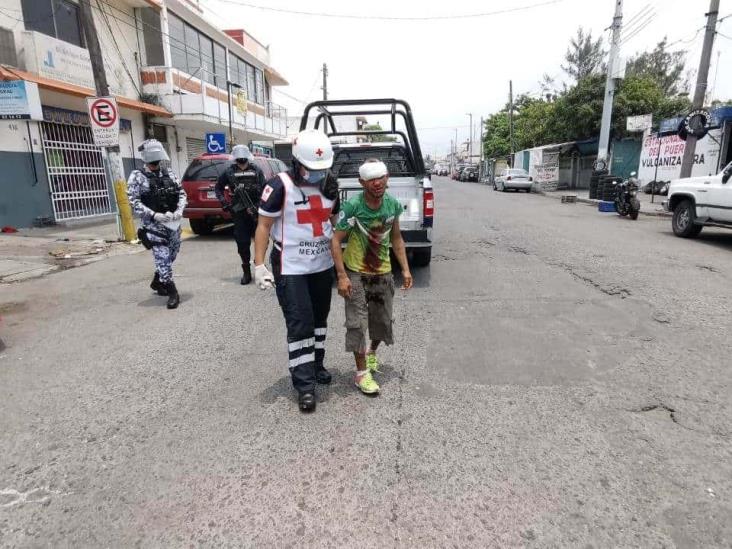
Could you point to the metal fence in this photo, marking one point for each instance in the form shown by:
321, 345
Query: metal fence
76, 173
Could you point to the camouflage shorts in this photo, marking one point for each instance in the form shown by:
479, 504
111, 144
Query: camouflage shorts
369, 311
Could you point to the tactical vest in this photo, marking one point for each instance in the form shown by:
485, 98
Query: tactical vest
244, 188
163, 193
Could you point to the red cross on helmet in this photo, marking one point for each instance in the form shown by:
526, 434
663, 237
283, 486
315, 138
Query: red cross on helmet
313, 150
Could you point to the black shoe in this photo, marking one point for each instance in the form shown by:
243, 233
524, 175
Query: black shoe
158, 286
322, 375
246, 278
306, 401
173, 297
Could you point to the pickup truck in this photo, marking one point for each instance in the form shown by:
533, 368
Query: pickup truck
698, 202
398, 147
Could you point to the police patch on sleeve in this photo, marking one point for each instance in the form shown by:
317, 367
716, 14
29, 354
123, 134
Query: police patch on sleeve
266, 193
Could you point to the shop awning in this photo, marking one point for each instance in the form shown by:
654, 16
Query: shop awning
7, 73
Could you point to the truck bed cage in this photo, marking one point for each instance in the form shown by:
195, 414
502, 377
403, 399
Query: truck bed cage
329, 109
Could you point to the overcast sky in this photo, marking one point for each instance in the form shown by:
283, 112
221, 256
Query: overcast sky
447, 68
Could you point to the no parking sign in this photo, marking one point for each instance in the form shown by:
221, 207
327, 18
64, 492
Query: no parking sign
104, 120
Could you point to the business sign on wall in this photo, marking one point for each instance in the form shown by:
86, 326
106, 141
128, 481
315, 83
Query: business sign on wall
19, 100
62, 61
661, 158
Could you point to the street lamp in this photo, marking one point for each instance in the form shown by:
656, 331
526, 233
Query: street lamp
229, 85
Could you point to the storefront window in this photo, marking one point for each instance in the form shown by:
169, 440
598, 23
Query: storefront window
57, 18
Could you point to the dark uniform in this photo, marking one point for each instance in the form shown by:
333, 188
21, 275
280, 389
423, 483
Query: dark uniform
246, 189
303, 270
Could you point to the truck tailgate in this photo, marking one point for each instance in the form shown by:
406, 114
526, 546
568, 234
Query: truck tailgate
406, 190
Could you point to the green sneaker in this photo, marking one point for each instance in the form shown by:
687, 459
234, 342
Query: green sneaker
372, 363
366, 383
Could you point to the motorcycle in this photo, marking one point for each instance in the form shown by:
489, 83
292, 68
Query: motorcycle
626, 201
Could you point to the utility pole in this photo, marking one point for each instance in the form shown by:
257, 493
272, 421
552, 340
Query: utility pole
125, 226
325, 82
480, 141
701, 83
612, 65
470, 139
510, 116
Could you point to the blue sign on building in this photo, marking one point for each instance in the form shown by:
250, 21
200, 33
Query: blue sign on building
216, 143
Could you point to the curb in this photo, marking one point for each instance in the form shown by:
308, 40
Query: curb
593, 202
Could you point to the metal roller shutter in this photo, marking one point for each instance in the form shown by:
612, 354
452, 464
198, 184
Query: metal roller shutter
194, 147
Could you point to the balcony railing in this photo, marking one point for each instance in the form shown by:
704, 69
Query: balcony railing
195, 97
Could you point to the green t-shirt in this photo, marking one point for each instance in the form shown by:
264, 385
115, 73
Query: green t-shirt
369, 233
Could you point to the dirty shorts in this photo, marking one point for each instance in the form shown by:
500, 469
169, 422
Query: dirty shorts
369, 311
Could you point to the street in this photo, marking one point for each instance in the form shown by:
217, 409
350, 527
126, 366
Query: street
560, 378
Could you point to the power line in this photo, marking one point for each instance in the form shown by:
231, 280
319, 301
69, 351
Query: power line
390, 18
116, 46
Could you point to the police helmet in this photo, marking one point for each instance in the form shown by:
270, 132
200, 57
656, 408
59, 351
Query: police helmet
152, 151
241, 152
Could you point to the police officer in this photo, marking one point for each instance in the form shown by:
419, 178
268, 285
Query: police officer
245, 182
157, 197
297, 210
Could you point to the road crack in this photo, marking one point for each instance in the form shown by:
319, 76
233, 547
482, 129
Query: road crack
614, 290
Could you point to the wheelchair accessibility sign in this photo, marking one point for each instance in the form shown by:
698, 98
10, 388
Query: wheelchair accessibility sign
215, 143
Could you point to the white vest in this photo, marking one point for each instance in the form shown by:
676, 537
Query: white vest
304, 230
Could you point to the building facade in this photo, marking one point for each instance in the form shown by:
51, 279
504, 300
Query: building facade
174, 74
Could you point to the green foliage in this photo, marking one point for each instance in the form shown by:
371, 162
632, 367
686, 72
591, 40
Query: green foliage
575, 113
378, 138
584, 56
662, 66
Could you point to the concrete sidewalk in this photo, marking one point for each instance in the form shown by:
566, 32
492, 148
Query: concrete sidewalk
30, 253
583, 195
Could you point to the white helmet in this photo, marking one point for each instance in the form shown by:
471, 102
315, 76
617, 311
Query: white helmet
313, 150
241, 152
152, 151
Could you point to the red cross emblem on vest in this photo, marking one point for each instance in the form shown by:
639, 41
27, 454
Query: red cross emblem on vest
315, 216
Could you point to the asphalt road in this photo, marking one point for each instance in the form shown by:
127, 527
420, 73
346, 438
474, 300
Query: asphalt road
561, 378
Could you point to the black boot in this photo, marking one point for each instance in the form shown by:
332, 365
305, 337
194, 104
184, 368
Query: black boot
158, 286
246, 278
306, 401
173, 297
322, 375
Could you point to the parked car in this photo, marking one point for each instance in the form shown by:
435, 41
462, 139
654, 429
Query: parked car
204, 211
457, 173
444, 171
656, 187
701, 201
470, 173
513, 178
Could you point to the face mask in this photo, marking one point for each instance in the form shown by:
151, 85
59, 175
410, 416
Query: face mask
314, 177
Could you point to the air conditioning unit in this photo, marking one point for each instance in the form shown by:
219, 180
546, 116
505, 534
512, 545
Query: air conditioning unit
8, 53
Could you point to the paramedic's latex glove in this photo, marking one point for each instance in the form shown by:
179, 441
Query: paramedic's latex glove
176, 216
345, 288
263, 278
160, 217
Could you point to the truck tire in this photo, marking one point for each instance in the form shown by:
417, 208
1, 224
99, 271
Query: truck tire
421, 257
683, 220
201, 226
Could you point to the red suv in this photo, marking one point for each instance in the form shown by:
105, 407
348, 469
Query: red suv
204, 210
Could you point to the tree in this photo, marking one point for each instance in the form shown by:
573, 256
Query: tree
584, 56
378, 138
664, 67
496, 141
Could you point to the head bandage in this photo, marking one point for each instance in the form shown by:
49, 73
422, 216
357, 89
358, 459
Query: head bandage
372, 170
